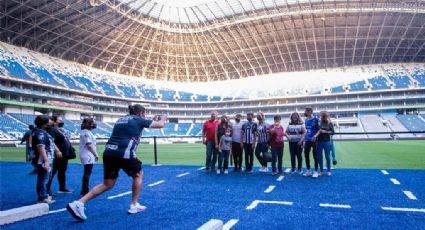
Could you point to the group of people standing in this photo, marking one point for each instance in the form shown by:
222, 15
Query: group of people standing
49, 149
312, 135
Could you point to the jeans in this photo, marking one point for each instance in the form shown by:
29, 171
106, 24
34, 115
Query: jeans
259, 150
86, 178
296, 152
59, 166
224, 156
42, 177
237, 155
324, 145
249, 156
211, 155
308, 146
277, 155
333, 154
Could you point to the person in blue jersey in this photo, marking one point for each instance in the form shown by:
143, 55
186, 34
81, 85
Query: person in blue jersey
312, 127
44, 150
120, 153
27, 138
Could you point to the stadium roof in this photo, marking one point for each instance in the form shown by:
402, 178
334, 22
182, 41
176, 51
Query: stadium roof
217, 40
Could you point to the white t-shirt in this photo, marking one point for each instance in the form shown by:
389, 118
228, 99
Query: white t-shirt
87, 137
236, 131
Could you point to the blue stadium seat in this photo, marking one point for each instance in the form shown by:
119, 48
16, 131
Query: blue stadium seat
420, 77
108, 88
88, 83
338, 89
167, 95
16, 70
358, 86
185, 96
379, 83
400, 81
412, 122
129, 91
44, 75
202, 98
69, 81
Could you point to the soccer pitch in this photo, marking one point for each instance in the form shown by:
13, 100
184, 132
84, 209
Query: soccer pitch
401, 154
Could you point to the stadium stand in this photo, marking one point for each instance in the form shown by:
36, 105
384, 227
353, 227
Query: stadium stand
374, 123
412, 122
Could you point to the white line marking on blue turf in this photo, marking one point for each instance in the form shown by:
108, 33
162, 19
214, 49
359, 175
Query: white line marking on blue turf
384, 172
201, 168
410, 195
59, 210
335, 205
157, 183
230, 224
280, 178
404, 209
269, 189
183, 174
119, 195
395, 181
256, 202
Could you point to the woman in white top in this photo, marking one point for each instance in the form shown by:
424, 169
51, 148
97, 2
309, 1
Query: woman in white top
295, 133
88, 153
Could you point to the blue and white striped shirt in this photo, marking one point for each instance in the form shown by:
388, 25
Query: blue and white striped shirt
262, 132
249, 129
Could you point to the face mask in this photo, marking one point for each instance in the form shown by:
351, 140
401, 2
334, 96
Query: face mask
237, 120
223, 120
227, 134
94, 126
60, 125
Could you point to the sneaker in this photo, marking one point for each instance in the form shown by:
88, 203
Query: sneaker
135, 208
266, 169
334, 162
66, 191
274, 173
300, 172
261, 169
321, 174
329, 174
226, 171
292, 171
48, 200
218, 171
76, 209
307, 173
315, 174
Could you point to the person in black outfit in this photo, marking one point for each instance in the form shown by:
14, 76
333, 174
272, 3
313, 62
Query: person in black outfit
60, 165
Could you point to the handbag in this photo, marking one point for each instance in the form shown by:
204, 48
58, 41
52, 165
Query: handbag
72, 154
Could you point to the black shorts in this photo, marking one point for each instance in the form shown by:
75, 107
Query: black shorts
112, 166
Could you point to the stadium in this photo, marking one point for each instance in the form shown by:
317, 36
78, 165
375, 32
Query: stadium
362, 61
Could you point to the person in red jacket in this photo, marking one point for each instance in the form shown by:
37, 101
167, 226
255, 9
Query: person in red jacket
208, 139
276, 133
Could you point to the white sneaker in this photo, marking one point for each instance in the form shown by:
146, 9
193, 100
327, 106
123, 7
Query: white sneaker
226, 171
329, 174
307, 173
76, 209
315, 174
266, 169
48, 200
300, 172
262, 169
135, 208
218, 171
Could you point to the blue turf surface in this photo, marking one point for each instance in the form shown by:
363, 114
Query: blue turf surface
189, 201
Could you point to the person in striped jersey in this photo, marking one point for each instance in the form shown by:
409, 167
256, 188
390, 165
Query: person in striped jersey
262, 145
248, 140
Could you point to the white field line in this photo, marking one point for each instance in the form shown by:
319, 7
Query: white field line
384, 172
395, 181
230, 224
56, 211
156, 183
269, 189
119, 195
335, 205
183, 174
280, 178
404, 209
201, 168
410, 195
256, 202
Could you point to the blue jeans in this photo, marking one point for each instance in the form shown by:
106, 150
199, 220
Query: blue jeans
211, 155
224, 156
42, 177
260, 149
333, 151
324, 145
277, 155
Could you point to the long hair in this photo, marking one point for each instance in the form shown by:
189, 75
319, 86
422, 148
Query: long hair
292, 122
325, 117
87, 123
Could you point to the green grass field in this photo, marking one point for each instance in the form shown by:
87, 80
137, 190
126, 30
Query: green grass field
350, 154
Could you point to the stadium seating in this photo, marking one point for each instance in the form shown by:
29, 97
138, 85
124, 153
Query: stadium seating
12, 126
358, 86
374, 123
379, 83
400, 81
412, 122
196, 129
184, 96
